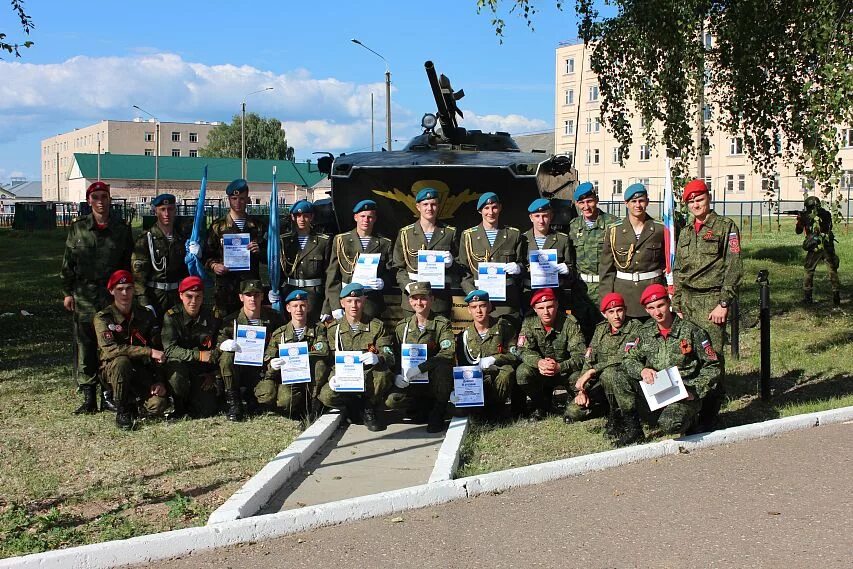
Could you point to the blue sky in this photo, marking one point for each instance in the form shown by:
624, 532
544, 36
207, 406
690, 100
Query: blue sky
194, 60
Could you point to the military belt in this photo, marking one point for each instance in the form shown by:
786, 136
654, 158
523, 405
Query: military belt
162, 286
637, 277
587, 278
305, 282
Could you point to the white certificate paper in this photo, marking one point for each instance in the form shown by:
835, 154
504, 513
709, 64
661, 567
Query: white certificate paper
468, 386
366, 268
667, 388
543, 268
491, 277
349, 371
412, 355
252, 341
235, 254
431, 267
296, 367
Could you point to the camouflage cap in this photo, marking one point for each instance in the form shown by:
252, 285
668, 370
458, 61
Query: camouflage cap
250, 286
421, 288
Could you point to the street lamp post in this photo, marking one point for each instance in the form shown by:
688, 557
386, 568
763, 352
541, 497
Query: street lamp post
156, 148
243, 131
387, 93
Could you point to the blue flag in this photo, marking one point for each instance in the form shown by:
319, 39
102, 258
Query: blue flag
194, 244
274, 248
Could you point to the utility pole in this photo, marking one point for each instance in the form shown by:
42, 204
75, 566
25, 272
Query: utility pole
700, 105
387, 92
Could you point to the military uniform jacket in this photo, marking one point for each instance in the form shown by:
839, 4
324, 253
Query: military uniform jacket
308, 264
474, 249
184, 336
709, 261
607, 348
368, 336
133, 336
587, 242
563, 343
437, 335
91, 256
271, 319
623, 252
554, 240
500, 342
410, 241
314, 336
255, 227
166, 266
346, 248
687, 347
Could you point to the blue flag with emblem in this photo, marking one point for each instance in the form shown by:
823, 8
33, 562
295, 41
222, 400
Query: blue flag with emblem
669, 228
194, 245
274, 248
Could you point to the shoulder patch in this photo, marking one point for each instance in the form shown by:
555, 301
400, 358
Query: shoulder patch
630, 345
734, 243
318, 345
522, 339
446, 344
387, 349
709, 350
108, 336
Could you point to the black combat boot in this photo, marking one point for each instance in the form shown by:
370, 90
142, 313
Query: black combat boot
372, 420
124, 418
89, 404
633, 430
615, 425
178, 411
836, 298
435, 421
317, 409
107, 402
233, 409
539, 409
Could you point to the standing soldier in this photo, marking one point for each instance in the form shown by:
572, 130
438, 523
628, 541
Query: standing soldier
632, 257
128, 345
294, 400
427, 233
708, 270
492, 242
356, 331
586, 233
541, 236
346, 249
227, 282
305, 255
97, 245
551, 348
819, 244
189, 336
158, 259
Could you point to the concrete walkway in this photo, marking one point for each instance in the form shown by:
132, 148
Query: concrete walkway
785, 501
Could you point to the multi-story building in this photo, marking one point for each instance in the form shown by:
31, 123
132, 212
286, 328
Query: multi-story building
116, 137
579, 132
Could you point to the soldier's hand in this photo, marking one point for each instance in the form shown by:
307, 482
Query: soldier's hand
158, 356
338, 313
229, 346
158, 390
220, 268
369, 358
648, 375
562, 269
253, 247
204, 356
512, 268
718, 315
68, 303
487, 362
276, 363
448, 260
584, 378
581, 399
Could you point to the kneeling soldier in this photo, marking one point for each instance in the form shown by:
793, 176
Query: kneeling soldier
436, 333
357, 332
551, 348
491, 344
189, 333
295, 399
244, 378
128, 339
665, 341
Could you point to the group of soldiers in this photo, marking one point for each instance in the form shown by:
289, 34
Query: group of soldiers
149, 344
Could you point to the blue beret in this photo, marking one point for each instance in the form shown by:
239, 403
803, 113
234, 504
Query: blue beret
352, 289
539, 205
426, 194
476, 295
302, 206
635, 190
487, 198
163, 199
237, 186
364, 205
296, 295
583, 190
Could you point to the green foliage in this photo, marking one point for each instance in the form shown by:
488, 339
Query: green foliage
182, 507
26, 25
265, 140
23, 532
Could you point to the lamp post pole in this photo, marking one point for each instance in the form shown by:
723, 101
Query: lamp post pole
387, 93
243, 130
156, 148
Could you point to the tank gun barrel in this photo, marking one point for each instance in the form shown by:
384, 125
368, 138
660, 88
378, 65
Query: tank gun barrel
445, 101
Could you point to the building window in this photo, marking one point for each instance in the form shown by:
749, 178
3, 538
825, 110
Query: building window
176, 136
643, 122
709, 41
593, 156
708, 182
847, 138
570, 65
149, 152
588, 125
741, 183
645, 153
730, 183
570, 96
593, 93
149, 137
706, 113
617, 155
846, 180
571, 156
176, 152
770, 185
807, 185
193, 153
617, 187
568, 127
735, 146
193, 137
644, 181
595, 185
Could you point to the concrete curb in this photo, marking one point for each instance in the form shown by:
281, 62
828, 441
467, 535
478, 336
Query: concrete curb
255, 493
143, 549
448, 455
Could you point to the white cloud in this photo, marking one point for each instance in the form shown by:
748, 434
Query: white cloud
512, 123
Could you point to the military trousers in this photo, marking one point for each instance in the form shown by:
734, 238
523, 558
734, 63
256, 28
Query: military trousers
193, 387
534, 384
424, 395
584, 307
813, 259
377, 384
676, 418
292, 399
621, 391
597, 406
86, 346
498, 383
236, 376
132, 381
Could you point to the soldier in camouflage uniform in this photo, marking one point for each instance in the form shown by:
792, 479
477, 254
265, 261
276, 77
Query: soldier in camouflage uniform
128, 345
227, 282
296, 399
819, 244
490, 343
158, 259
346, 249
189, 336
305, 255
665, 341
427, 234
541, 236
241, 381
586, 234
355, 331
97, 245
551, 349
436, 333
